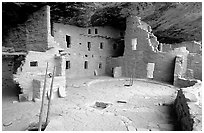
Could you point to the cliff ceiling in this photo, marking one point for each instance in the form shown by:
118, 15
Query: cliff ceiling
171, 22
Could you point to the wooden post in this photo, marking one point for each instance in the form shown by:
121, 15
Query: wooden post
42, 104
49, 102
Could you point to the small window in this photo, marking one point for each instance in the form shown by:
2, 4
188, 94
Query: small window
33, 63
96, 31
79, 43
114, 46
101, 45
86, 55
86, 65
68, 65
68, 40
60, 51
89, 31
89, 46
100, 65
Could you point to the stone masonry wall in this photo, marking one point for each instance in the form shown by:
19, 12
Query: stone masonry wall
78, 51
195, 64
16, 38
37, 28
32, 35
26, 73
42, 48
135, 61
7, 72
192, 47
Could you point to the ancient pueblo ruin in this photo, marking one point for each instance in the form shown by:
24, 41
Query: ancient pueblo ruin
102, 78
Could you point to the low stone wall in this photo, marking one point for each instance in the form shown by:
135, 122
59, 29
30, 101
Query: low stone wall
182, 82
188, 106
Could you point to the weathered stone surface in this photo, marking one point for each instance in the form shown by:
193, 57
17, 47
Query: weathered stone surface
189, 73
36, 89
194, 63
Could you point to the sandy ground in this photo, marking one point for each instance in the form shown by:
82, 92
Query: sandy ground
147, 106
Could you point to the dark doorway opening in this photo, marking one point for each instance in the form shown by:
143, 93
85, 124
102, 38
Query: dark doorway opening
118, 48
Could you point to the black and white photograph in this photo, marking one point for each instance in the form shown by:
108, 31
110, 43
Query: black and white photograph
101, 65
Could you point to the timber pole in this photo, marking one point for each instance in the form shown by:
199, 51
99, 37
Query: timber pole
42, 104
49, 102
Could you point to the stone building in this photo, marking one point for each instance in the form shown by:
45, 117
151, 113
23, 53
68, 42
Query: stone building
82, 52
76, 52
87, 48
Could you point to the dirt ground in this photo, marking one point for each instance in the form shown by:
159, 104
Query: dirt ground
144, 106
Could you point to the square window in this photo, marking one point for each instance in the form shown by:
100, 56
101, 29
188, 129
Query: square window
33, 63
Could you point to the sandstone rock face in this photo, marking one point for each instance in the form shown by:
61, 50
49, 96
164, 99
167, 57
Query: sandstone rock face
171, 22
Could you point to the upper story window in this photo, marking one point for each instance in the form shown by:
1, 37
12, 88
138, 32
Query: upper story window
89, 46
96, 31
68, 66
89, 31
33, 63
68, 40
101, 45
